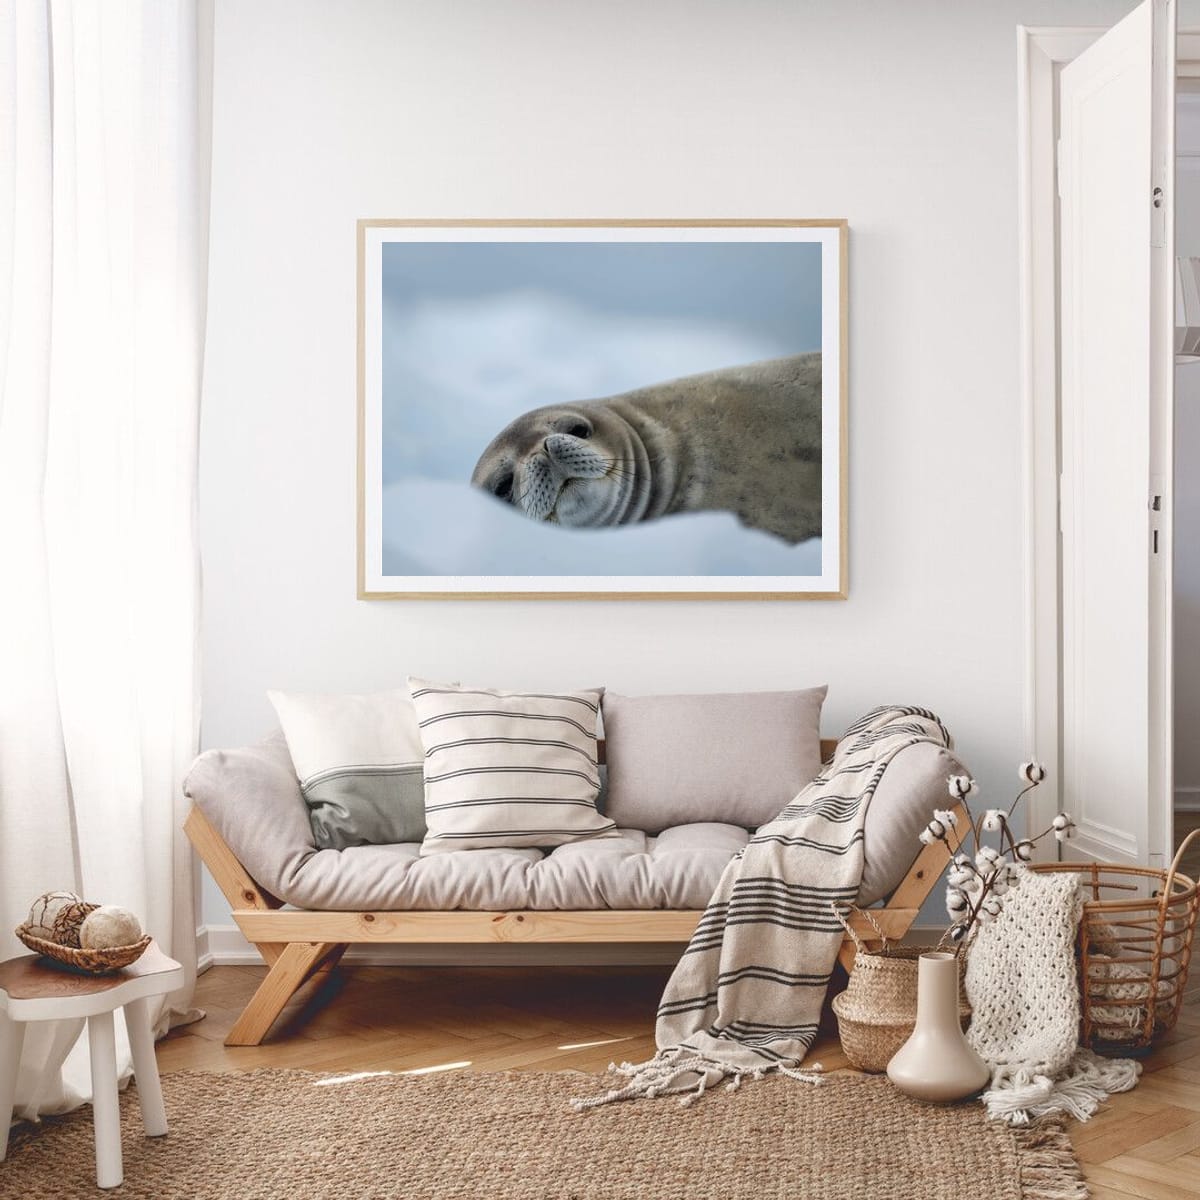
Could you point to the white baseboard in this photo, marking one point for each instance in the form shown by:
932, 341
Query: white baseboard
224, 946
204, 958
1187, 799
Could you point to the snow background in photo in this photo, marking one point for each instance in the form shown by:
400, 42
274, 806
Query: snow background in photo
474, 334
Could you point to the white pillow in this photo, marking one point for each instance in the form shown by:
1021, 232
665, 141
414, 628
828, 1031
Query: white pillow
508, 768
359, 760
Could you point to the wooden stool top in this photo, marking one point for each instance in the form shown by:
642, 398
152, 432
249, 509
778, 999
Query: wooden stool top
36, 988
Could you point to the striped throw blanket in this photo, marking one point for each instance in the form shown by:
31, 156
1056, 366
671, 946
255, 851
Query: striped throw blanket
746, 996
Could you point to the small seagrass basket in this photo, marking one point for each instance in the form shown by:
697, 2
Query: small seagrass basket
877, 1012
1134, 949
90, 962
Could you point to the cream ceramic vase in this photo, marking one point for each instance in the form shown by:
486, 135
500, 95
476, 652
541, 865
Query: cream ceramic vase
937, 1062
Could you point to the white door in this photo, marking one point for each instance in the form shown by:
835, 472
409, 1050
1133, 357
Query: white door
1116, 184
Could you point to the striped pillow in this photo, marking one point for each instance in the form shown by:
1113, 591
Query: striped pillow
508, 768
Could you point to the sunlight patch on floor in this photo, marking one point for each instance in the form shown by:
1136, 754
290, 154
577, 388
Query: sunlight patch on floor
586, 1045
454, 1066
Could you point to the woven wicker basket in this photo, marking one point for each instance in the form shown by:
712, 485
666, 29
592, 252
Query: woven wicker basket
91, 962
1135, 943
877, 1012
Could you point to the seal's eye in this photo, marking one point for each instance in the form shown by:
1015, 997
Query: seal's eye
573, 425
503, 486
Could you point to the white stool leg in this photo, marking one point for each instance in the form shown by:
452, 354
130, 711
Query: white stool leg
145, 1067
66, 1034
12, 1038
106, 1113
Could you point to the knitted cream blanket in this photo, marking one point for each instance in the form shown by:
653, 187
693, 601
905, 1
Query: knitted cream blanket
1022, 984
746, 996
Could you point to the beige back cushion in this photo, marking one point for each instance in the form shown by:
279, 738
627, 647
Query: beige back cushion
914, 784
735, 757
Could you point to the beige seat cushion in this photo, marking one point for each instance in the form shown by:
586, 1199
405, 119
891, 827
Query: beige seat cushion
253, 798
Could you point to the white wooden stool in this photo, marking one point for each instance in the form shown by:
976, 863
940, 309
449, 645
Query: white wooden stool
30, 990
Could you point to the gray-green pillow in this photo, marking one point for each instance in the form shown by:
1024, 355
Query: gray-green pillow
360, 763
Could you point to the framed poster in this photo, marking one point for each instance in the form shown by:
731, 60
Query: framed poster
625, 409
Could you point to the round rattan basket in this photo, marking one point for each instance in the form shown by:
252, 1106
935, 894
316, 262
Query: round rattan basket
91, 962
1134, 950
877, 1012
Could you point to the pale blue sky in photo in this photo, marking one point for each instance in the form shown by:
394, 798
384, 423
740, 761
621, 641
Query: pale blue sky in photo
474, 334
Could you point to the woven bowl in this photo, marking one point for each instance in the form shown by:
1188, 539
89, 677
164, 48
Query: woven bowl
90, 962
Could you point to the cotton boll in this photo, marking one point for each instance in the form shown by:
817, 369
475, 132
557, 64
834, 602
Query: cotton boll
935, 831
1062, 826
993, 820
1062, 821
1032, 772
1024, 850
986, 860
109, 926
961, 786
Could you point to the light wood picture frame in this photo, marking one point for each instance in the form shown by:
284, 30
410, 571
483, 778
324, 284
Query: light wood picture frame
492, 465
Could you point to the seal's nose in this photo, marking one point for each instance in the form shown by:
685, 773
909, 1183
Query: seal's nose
573, 458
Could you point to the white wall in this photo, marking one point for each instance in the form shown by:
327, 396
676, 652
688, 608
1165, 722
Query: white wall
1187, 480
900, 118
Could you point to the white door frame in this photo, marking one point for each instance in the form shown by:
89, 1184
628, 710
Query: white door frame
1041, 53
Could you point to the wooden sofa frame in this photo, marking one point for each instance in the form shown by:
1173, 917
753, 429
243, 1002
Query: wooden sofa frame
298, 945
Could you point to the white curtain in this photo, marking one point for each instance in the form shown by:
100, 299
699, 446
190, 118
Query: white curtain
104, 152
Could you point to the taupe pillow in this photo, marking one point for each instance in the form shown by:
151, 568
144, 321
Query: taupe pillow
359, 760
913, 785
508, 768
732, 757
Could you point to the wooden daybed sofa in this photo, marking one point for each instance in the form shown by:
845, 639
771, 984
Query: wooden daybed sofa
249, 825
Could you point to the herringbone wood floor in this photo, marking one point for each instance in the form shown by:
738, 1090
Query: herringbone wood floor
1145, 1143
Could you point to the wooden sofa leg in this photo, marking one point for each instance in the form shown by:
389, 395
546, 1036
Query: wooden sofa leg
297, 962
326, 963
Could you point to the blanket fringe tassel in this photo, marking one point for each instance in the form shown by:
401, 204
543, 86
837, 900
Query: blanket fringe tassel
1087, 1082
1048, 1167
670, 1073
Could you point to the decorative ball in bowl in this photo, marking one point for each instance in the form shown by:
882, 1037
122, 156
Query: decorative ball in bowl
95, 939
58, 916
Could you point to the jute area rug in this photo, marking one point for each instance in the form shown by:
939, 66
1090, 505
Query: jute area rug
269, 1134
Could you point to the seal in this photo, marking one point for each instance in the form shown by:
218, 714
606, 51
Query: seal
745, 440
